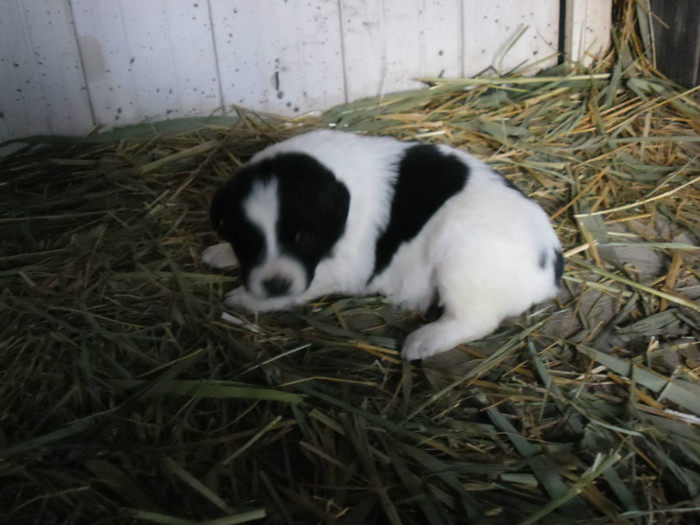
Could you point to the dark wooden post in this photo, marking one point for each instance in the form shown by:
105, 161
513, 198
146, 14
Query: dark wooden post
678, 45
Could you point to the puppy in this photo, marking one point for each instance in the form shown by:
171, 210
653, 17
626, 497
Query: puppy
333, 212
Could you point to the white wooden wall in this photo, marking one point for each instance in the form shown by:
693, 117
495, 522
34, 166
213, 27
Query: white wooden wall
68, 65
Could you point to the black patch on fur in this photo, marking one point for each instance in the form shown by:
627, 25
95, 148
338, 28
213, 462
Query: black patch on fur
557, 263
313, 208
230, 221
558, 266
435, 310
426, 178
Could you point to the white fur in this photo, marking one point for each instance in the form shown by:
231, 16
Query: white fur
261, 209
479, 251
219, 256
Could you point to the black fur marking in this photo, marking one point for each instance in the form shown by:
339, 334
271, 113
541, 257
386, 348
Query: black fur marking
435, 310
543, 260
558, 266
229, 221
313, 208
426, 178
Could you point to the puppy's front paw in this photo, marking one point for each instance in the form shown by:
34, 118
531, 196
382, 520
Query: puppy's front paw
422, 343
219, 256
240, 299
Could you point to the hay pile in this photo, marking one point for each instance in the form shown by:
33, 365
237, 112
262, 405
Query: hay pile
126, 397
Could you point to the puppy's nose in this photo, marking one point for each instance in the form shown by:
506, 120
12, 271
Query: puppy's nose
276, 286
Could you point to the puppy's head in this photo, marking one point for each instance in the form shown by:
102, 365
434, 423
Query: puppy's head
282, 216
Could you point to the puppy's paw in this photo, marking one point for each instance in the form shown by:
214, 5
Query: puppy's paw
424, 342
219, 256
240, 299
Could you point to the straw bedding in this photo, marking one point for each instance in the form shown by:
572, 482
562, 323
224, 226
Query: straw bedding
128, 395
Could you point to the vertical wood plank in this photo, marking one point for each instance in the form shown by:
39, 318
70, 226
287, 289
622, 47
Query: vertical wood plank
147, 60
676, 27
390, 43
588, 26
139, 60
278, 56
491, 32
43, 90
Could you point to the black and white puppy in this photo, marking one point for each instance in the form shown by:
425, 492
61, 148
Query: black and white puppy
333, 212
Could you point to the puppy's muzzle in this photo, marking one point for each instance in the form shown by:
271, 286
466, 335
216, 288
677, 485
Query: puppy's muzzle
276, 286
